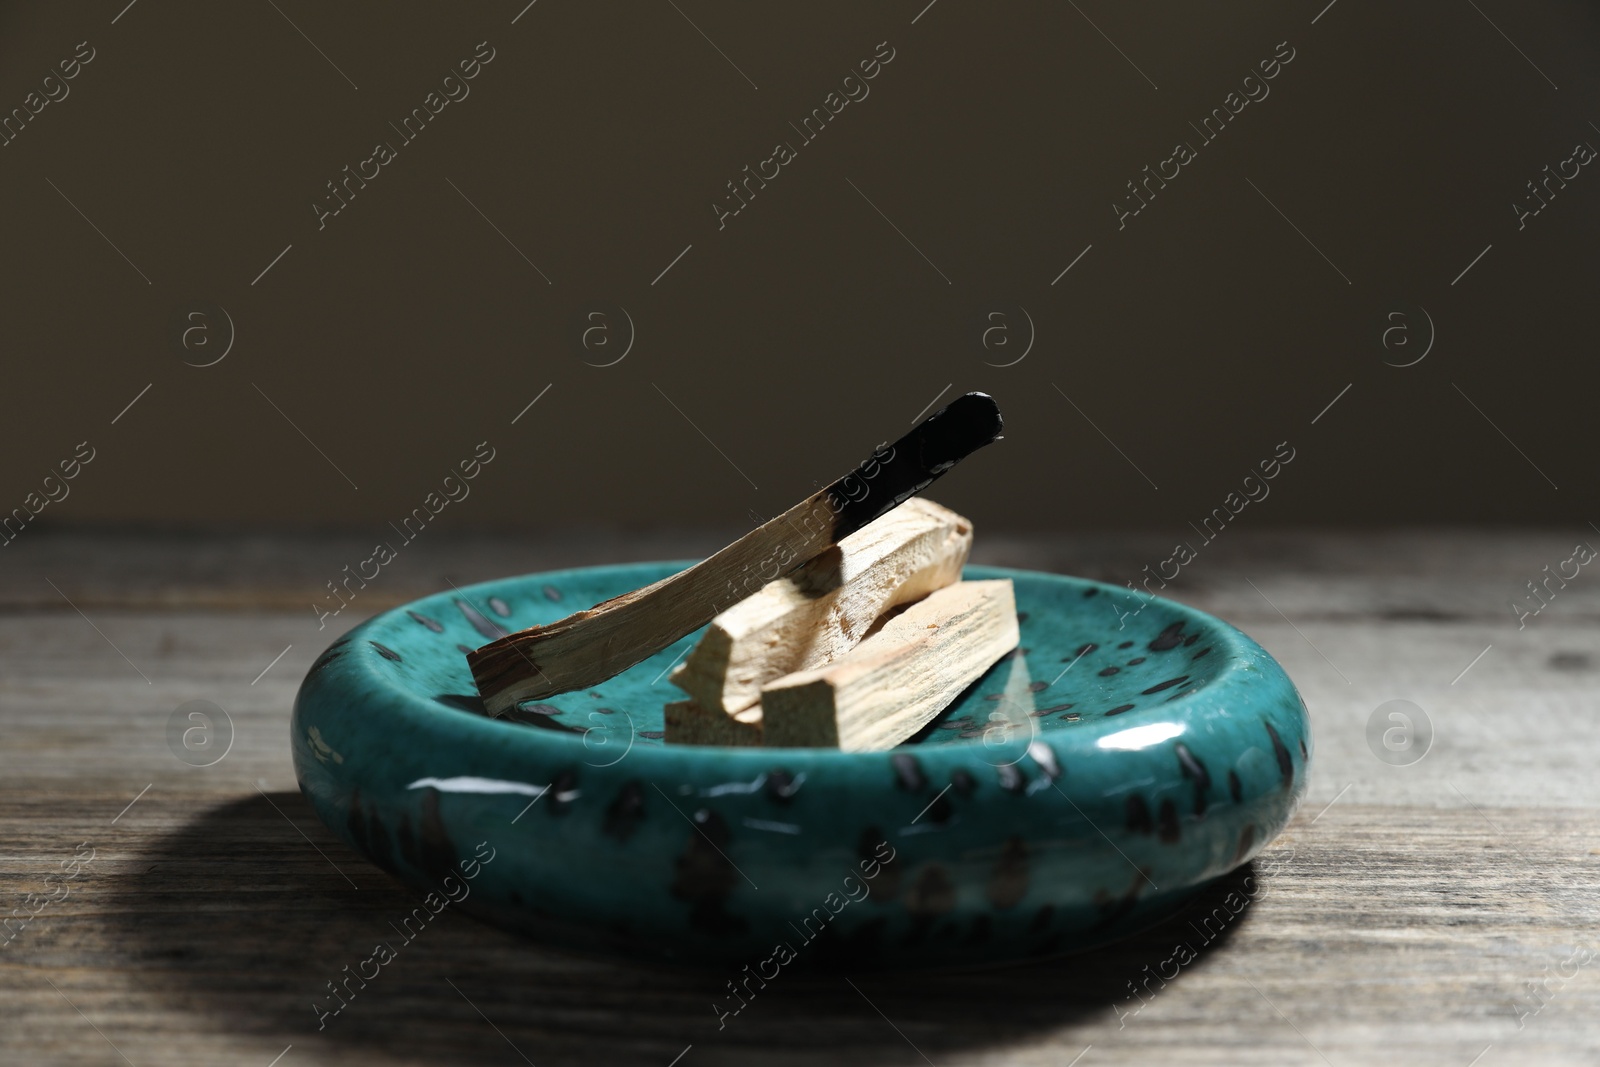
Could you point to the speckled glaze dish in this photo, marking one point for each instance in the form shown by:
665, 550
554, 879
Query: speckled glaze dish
1131, 751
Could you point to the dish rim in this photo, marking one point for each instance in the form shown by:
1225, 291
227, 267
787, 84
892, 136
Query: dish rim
1233, 651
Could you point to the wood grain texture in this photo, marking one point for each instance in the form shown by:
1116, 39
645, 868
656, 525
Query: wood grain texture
826, 606
1405, 910
688, 722
597, 643
898, 679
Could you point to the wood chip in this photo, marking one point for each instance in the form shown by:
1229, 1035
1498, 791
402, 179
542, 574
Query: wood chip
688, 723
824, 609
899, 679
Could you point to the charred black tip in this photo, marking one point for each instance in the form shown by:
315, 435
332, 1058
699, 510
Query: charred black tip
895, 473
964, 425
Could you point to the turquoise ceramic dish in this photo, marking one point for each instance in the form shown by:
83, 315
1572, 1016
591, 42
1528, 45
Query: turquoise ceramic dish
1095, 779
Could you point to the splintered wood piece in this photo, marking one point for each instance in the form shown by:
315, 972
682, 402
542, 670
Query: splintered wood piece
689, 723
587, 648
896, 681
822, 610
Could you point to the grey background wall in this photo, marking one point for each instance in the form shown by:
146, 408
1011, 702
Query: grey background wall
915, 248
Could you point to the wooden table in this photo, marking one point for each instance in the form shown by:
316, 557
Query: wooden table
1403, 917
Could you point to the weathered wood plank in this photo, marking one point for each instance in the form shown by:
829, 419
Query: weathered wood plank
1424, 575
1400, 924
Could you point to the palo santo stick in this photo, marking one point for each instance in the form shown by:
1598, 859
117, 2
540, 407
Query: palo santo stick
690, 723
822, 610
896, 681
587, 648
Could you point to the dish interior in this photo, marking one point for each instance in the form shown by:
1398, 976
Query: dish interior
1092, 657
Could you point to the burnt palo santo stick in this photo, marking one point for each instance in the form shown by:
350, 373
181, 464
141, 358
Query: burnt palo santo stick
590, 646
